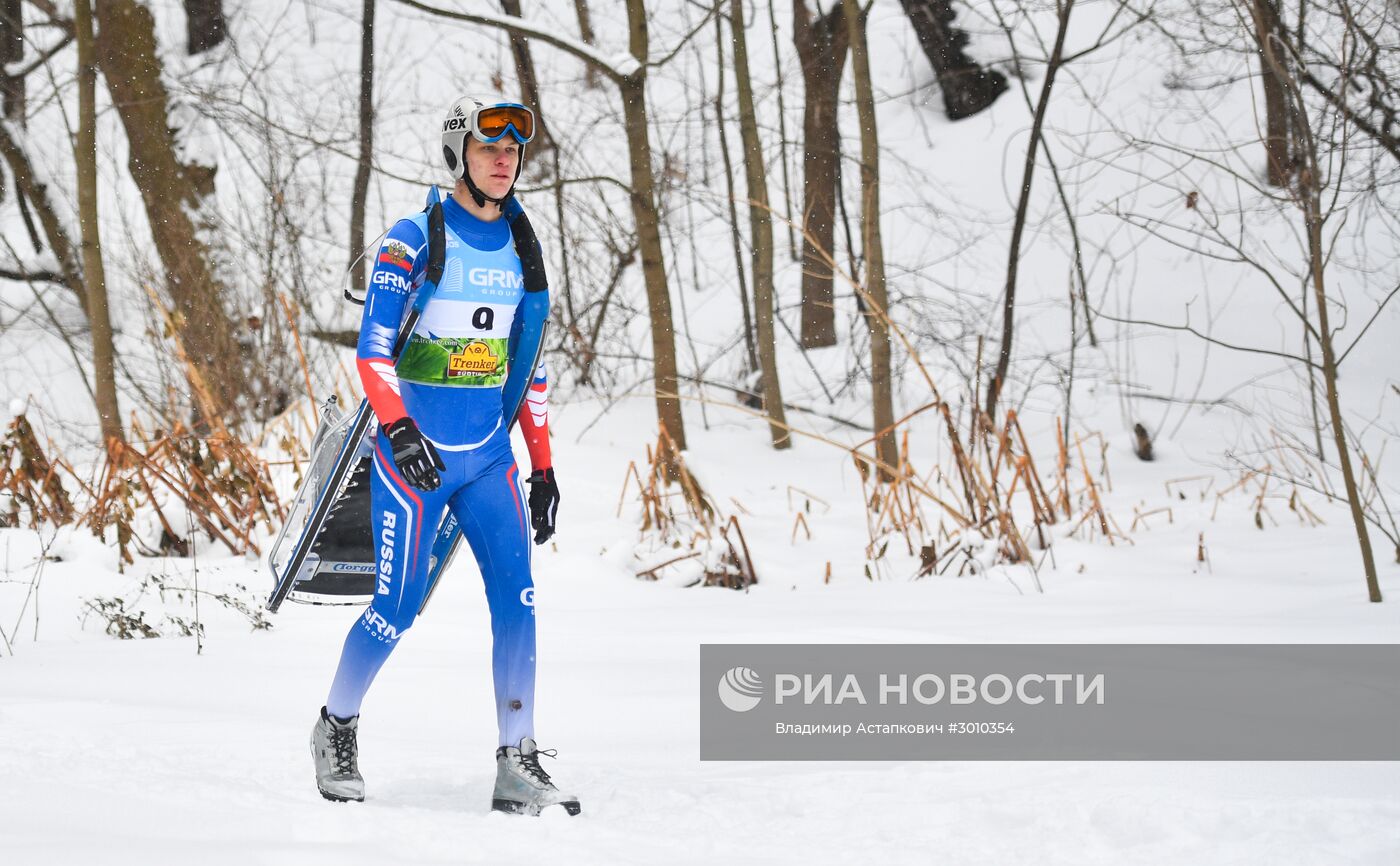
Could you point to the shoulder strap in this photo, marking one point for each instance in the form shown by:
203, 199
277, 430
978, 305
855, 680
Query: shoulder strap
437, 242
432, 269
527, 246
536, 306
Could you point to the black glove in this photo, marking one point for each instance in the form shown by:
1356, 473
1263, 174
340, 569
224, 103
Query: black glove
544, 503
417, 459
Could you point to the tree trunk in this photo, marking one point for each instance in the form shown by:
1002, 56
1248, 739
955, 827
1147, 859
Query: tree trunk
663, 337
1307, 194
877, 300
171, 192
782, 130
12, 51
1008, 312
1334, 402
585, 33
1268, 30
761, 231
360, 194
205, 26
821, 49
529, 82
967, 88
94, 274
735, 240
29, 186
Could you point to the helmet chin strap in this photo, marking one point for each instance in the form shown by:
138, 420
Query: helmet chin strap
478, 195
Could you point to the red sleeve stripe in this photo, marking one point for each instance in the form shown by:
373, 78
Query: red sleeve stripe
537, 399
381, 386
535, 429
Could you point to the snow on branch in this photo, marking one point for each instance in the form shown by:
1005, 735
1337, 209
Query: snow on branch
617, 67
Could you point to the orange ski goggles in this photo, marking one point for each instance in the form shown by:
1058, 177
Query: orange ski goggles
493, 122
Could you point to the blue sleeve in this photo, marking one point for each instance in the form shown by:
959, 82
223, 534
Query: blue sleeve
525, 339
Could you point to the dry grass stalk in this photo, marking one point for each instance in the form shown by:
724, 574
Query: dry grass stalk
1028, 466
31, 479
800, 522
1201, 492
810, 498
221, 483
989, 466
1062, 467
1096, 509
743, 576
653, 572
1306, 515
290, 313
698, 526
208, 408
1141, 516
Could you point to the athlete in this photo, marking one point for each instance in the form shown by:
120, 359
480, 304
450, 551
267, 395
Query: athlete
443, 442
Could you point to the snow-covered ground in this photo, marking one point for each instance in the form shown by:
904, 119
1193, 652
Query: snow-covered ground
143, 751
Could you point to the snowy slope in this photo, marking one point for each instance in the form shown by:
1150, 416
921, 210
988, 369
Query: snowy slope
133, 751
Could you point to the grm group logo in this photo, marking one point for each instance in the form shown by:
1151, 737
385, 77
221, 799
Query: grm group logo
740, 689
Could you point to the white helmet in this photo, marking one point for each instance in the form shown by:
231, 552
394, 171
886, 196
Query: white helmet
488, 119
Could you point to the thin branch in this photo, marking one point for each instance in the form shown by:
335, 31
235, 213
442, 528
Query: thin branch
1209, 339
618, 68
44, 56
745, 392
1369, 322
1379, 136
674, 51
33, 276
565, 181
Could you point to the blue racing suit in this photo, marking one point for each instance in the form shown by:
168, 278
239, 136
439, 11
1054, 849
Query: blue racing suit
449, 380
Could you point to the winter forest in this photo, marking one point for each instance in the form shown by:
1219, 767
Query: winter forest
870, 321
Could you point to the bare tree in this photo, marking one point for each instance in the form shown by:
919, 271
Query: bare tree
1008, 314
876, 298
11, 51
782, 129
663, 339
205, 26
1334, 172
1307, 193
172, 192
585, 32
529, 82
94, 273
30, 186
360, 194
1363, 83
967, 88
1266, 31
736, 241
821, 48
761, 234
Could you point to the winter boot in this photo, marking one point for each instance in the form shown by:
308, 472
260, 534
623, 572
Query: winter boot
336, 754
522, 785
